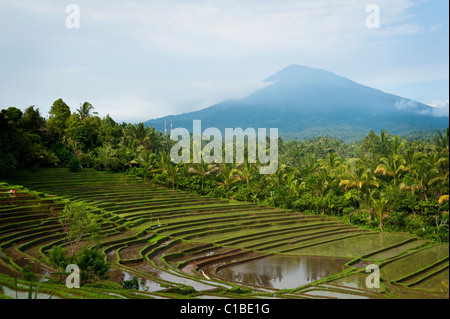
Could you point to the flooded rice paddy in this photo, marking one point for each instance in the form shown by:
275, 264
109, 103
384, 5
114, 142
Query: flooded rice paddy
283, 271
167, 238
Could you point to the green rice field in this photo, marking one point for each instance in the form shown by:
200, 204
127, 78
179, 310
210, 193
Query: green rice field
174, 242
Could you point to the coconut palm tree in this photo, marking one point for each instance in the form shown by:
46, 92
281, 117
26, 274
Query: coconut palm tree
85, 110
203, 169
393, 166
442, 140
331, 163
246, 171
321, 183
172, 173
163, 162
141, 134
425, 173
384, 140
227, 176
379, 209
295, 184
310, 164
359, 178
147, 159
279, 177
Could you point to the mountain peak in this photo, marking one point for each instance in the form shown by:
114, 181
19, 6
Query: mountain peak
301, 75
306, 102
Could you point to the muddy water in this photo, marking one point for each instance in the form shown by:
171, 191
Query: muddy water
119, 276
283, 271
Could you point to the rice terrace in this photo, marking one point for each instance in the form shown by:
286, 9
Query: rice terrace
169, 243
224, 158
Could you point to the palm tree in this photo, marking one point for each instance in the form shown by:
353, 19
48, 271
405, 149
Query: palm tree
392, 166
130, 158
278, 178
365, 199
425, 174
384, 140
442, 140
359, 177
394, 145
246, 171
379, 209
172, 174
147, 159
202, 169
85, 110
227, 176
310, 164
295, 184
331, 162
321, 183
163, 162
141, 134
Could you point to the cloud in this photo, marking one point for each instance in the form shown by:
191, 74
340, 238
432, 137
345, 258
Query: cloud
168, 57
440, 109
437, 108
405, 104
436, 27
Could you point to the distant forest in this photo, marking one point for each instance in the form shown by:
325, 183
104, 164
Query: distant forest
383, 181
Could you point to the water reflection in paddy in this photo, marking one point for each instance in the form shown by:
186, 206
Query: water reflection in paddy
283, 271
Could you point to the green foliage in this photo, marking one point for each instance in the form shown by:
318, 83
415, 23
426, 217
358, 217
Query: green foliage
131, 284
182, 290
58, 257
30, 289
28, 275
74, 165
383, 181
59, 113
93, 265
7, 164
79, 223
239, 290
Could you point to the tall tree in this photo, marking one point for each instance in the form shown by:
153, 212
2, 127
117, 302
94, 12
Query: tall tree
202, 169
358, 177
59, 113
32, 121
393, 166
227, 176
85, 110
380, 206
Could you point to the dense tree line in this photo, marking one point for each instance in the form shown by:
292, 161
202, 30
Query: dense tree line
383, 182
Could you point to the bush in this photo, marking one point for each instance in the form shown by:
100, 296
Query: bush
7, 164
27, 274
58, 257
74, 165
182, 290
360, 218
131, 284
239, 290
93, 265
86, 160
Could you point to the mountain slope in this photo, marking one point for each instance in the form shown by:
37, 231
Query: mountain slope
304, 102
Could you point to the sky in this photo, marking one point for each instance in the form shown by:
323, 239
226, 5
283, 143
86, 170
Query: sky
138, 60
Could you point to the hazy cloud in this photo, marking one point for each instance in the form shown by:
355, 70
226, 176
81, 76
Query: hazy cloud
440, 109
156, 58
